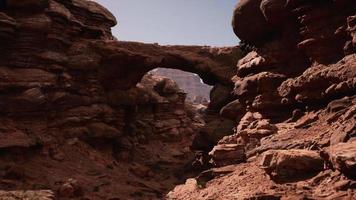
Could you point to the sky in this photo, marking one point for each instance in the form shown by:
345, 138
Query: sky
168, 22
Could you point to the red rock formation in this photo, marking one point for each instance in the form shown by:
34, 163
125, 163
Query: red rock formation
77, 116
294, 105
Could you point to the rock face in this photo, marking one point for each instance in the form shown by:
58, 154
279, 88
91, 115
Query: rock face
78, 116
75, 103
293, 104
41, 194
270, 78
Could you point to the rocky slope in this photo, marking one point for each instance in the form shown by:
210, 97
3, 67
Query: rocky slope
294, 108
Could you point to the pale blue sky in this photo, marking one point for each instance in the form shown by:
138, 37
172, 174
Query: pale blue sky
186, 22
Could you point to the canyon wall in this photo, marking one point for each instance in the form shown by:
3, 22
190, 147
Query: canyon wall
294, 104
79, 118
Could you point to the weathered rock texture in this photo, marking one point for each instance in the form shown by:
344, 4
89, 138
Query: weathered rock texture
76, 114
293, 103
33, 195
78, 117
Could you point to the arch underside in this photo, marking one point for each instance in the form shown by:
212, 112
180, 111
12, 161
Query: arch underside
124, 67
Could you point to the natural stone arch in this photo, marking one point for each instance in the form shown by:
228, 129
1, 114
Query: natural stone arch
125, 63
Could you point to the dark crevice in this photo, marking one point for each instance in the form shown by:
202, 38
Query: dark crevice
3, 4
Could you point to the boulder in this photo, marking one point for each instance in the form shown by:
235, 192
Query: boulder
290, 164
247, 120
219, 96
166, 86
213, 131
248, 22
259, 129
95, 9
70, 188
232, 110
274, 11
342, 157
251, 63
227, 154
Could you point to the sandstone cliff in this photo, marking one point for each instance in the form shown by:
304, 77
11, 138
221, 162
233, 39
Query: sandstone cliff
294, 108
79, 118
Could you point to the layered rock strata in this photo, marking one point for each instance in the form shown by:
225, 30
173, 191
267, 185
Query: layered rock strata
77, 115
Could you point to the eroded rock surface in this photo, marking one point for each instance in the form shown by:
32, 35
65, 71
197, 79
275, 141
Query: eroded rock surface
288, 164
79, 116
293, 104
33, 195
342, 157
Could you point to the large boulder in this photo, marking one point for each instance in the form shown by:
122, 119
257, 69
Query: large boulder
212, 132
232, 110
248, 22
274, 11
290, 164
343, 157
227, 154
97, 10
219, 96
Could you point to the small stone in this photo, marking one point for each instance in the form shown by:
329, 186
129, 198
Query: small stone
296, 115
71, 188
66, 190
